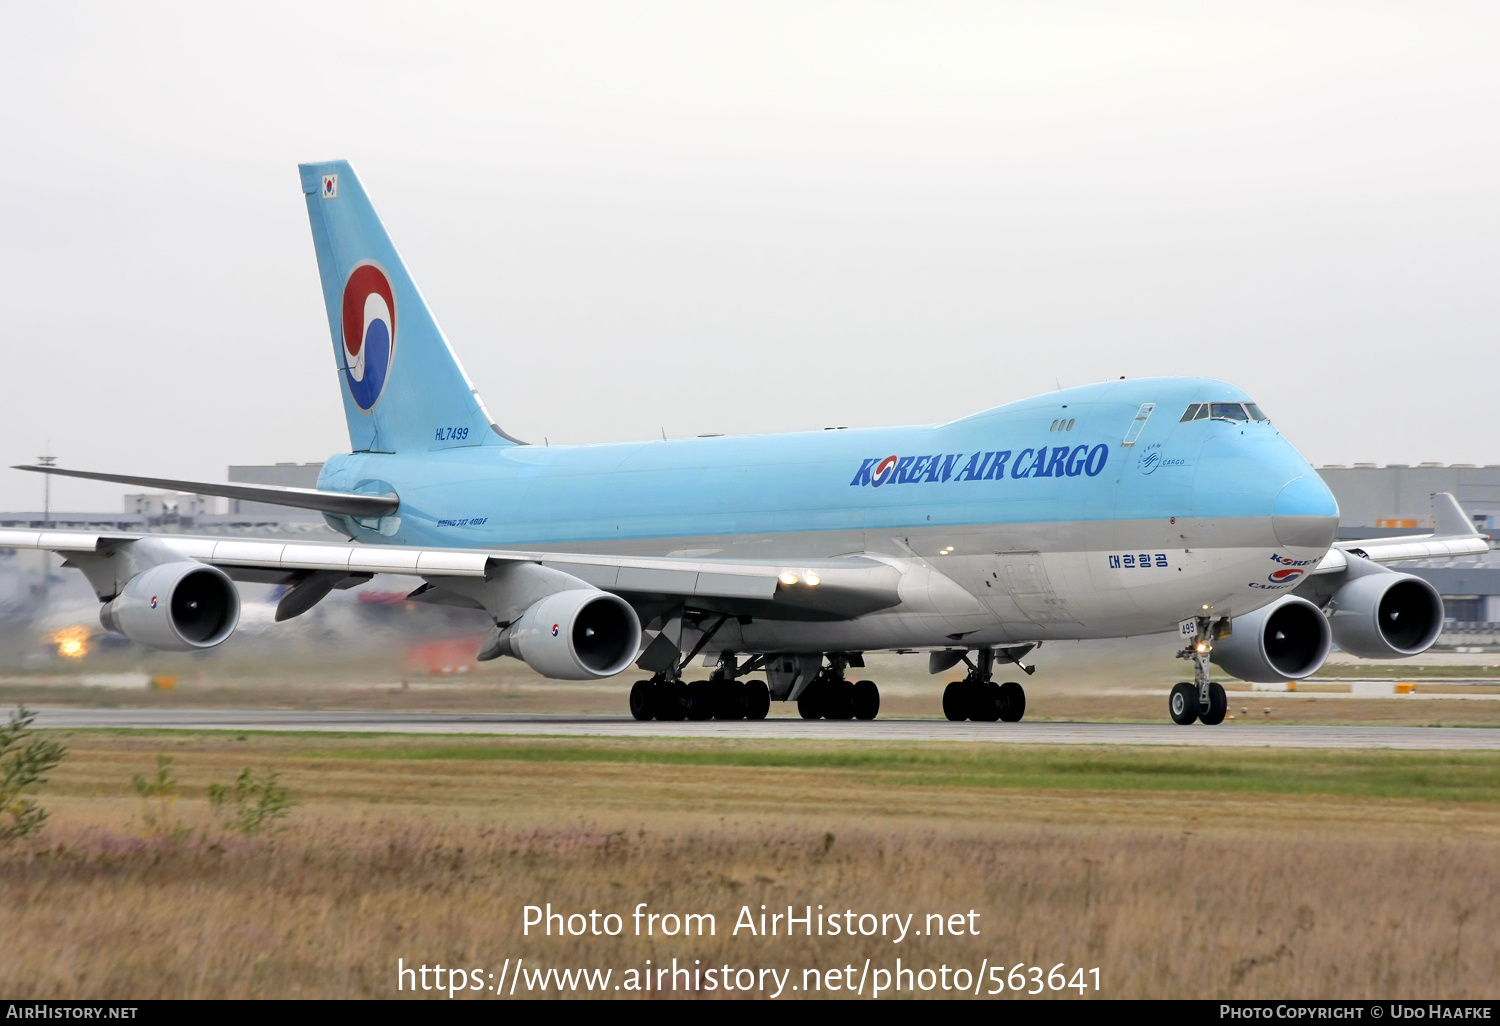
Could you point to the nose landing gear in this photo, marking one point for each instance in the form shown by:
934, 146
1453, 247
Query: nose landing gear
1203, 699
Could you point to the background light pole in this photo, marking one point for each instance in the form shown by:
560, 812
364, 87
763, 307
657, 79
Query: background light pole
47, 461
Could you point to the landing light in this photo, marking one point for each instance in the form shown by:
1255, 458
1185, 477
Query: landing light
788, 578
1202, 646
813, 580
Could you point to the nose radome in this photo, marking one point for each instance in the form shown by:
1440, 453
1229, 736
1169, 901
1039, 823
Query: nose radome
1306, 515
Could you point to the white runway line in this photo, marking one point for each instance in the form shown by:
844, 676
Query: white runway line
1224, 736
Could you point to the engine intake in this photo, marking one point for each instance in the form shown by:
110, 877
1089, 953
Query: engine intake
1387, 614
1287, 640
582, 634
176, 607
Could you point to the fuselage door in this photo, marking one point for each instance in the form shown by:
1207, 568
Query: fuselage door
1025, 579
1139, 424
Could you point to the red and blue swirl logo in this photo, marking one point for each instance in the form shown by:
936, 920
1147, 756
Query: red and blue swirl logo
883, 471
369, 327
1284, 576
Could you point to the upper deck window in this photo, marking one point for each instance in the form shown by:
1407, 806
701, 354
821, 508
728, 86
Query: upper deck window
1233, 412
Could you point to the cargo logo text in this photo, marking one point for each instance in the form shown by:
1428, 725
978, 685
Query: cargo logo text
997, 465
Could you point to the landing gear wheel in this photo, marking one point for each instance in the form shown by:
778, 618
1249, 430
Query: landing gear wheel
1218, 705
757, 700
701, 700
866, 700
956, 700
986, 702
729, 699
810, 702
838, 700
1012, 702
643, 700
1184, 703
671, 701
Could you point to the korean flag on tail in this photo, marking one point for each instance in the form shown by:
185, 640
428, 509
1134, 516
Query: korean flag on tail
330, 186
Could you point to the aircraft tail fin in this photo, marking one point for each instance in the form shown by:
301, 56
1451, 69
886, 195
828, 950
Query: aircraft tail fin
403, 387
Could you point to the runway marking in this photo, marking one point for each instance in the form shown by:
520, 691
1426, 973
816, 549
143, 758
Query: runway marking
1248, 734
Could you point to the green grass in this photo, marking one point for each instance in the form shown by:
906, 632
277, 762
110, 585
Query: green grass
1428, 776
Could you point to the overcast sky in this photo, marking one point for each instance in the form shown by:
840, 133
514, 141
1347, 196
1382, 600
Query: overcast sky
751, 217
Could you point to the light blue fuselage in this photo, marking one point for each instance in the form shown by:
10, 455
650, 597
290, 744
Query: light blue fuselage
1212, 507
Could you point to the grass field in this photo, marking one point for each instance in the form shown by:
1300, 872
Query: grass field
1235, 873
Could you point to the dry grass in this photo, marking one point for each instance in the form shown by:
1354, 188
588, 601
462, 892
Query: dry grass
1170, 894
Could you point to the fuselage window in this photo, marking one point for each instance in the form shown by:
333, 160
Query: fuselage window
1136, 426
1227, 411
1053, 427
1070, 425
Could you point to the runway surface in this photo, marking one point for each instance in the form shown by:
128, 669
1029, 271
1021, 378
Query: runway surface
778, 728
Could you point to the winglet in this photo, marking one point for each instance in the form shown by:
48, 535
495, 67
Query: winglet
1449, 519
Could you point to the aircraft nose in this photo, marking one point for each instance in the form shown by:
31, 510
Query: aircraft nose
1306, 515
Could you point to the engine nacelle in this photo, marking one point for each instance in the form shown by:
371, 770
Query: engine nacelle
177, 607
581, 634
1287, 640
1380, 615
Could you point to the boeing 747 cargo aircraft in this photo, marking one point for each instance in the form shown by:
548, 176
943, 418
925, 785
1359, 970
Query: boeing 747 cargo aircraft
1128, 507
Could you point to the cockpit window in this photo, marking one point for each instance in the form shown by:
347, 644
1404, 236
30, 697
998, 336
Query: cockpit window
1235, 412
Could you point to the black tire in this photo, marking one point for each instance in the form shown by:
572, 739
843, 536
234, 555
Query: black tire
757, 700
1218, 706
838, 700
729, 700
1183, 703
643, 700
985, 702
866, 700
1012, 702
956, 700
700, 703
671, 701
810, 702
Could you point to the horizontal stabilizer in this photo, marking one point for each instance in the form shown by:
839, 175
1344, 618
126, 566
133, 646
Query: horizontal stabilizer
276, 495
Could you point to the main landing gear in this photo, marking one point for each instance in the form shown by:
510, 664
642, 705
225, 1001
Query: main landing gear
715, 699
977, 697
830, 697
1203, 699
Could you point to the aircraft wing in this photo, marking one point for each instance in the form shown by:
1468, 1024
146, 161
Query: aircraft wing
819, 589
1453, 534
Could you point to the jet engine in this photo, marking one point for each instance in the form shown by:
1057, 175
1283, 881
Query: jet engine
1380, 615
1287, 640
581, 634
178, 607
